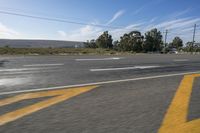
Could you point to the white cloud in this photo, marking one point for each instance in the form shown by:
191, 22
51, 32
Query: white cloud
116, 16
153, 20
151, 4
180, 13
168, 23
185, 24
182, 27
62, 33
84, 33
117, 33
89, 32
139, 10
179, 24
6, 32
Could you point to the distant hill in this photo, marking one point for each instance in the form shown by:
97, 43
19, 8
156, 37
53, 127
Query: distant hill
40, 43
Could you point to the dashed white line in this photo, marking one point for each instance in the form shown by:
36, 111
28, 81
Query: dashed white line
100, 59
180, 60
123, 68
42, 65
25, 72
99, 83
18, 69
14, 81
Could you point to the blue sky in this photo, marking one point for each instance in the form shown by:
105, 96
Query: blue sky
178, 16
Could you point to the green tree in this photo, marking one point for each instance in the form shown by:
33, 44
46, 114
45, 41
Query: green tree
131, 42
188, 47
177, 43
116, 45
124, 44
104, 41
153, 41
91, 44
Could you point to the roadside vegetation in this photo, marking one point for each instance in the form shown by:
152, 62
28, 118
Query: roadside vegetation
58, 51
135, 42
129, 43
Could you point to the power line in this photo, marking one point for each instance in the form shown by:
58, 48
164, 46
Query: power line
9, 9
58, 20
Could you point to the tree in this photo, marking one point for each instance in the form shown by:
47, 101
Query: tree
189, 47
177, 43
104, 41
153, 41
124, 44
91, 44
131, 42
116, 45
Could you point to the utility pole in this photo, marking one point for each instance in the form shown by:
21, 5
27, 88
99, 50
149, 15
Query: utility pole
195, 26
166, 33
165, 45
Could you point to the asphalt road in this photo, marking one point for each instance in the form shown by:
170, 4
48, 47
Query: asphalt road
131, 94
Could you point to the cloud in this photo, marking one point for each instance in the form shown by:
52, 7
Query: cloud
6, 32
180, 13
117, 33
83, 33
153, 19
168, 23
62, 33
182, 27
150, 3
116, 16
89, 32
139, 10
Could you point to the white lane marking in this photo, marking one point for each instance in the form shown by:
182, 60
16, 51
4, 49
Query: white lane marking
100, 59
123, 68
180, 60
99, 83
42, 65
25, 72
14, 81
18, 69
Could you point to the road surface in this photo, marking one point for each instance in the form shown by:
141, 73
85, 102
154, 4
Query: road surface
102, 94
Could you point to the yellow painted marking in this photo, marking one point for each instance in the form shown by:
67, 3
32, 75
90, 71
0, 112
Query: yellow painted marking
60, 96
175, 120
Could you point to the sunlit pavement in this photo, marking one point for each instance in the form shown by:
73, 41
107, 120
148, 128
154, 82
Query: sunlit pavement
163, 99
